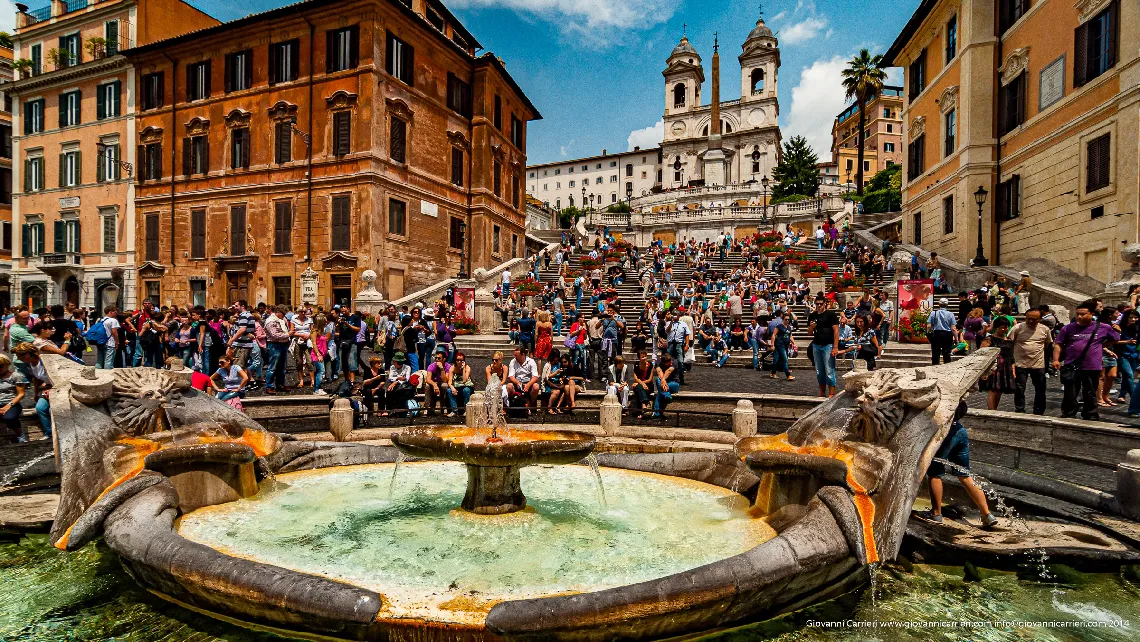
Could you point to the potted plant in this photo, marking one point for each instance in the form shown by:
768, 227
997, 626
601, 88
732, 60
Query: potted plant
466, 326
812, 269
527, 286
771, 249
912, 329
588, 263
59, 58
794, 256
845, 283
769, 237
23, 66
97, 47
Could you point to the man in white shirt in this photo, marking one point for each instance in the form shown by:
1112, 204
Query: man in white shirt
106, 352
522, 377
506, 284
819, 234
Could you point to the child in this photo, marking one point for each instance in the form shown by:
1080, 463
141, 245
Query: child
955, 449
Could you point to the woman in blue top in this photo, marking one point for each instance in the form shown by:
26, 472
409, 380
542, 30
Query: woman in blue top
1127, 352
229, 380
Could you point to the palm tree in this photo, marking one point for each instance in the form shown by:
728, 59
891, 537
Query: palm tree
863, 80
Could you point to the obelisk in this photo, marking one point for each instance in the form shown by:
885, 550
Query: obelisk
714, 166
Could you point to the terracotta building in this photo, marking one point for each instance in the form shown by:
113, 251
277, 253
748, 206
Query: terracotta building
883, 137
5, 179
75, 123
284, 153
1033, 102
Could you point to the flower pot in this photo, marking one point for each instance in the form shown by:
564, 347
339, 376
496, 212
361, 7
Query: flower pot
916, 340
812, 275
773, 254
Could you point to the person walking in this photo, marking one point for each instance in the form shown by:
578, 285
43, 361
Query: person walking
1030, 339
942, 331
241, 341
1080, 345
823, 324
955, 452
679, 338
277, 338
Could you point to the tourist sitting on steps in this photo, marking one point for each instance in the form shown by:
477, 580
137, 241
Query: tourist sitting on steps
955, 451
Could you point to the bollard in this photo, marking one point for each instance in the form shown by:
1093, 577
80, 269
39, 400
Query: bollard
744, 419
1128, 484
476, 411
610, 415
340, 419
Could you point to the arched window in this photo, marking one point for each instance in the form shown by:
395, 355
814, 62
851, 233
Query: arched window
757, 81
679, 95
705, 131
755, 159
726, 127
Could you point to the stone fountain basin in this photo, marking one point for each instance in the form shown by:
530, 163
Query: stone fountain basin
517, 448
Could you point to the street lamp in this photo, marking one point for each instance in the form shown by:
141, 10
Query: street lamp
980, 199
628, 199
462, 250
764, 196
848, 184
818, 200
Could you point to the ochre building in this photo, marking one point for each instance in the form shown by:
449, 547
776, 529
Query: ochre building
283, 154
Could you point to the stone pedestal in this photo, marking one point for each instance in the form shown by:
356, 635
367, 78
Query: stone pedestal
610, 415
744, 419
476, 411
309, 290
369, 299
817, 285
1128, 485
485, 313
340, 419
493, 490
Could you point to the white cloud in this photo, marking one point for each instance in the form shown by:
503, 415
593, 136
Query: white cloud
7, 16
806, 29
647, 137
816, 101
592, 19
564, 150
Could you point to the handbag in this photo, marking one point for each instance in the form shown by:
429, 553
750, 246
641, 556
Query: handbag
1069, 370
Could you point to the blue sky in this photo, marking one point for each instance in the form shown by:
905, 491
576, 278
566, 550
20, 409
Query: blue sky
593, 67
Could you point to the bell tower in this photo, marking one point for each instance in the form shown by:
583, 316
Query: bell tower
684, 75
759, 64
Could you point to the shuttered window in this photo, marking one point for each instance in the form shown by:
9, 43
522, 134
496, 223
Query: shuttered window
457, 166
397, 217
152, 237
195, 155
239, 70
948, 215
284, 61
398, 141
1097, 163
401, 60
341, 232
458, 95
239, 148
107, 101
198, 80
154, 87
237, 230
198, 234
455, 234
283, 142
342, 133
916, 158
1012, 105
1096, 45
498, 178
110, 225
916, 75
1009, 198
283, 227
341, 48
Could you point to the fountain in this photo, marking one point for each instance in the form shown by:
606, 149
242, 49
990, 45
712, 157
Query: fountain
494, 455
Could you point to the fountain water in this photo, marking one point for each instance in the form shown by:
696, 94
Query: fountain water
593, 463
14, 475
400, 458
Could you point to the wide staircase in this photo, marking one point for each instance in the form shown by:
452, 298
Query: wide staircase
632, 300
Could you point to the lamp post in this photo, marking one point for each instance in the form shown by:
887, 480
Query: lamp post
764, 197
628, 200
980, 199
848, 195
818, 200
584, 203
462, 250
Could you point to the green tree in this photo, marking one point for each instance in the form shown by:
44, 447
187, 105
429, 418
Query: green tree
5, 40
568, 215
862, 80
618, 208
796, 173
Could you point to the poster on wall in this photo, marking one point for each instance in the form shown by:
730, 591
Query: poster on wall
915, 301
465, 303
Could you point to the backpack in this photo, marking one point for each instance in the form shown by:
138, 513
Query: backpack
97, 334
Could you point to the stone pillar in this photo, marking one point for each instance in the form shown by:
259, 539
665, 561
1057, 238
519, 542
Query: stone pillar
476, 412
1128, 484
340, 419
744, 419
58, 8
485, 313
610, 415
369, 299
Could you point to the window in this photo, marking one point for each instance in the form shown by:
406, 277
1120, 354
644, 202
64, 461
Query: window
628, 187
1097, 212
32, 239
283, 142
498, 178
401, 60
107, 165
342, 133
951, 124
571, 184
341, 48
283, 227
916, 161
66, 235
514, 246
598, 180
612, 164
457, 166
239, 148
198, 80
284, 61
1009, 11
951, 39
1097, 163
515, 195
70, 53
918, 228
498, 115
152, 237
613, 178
341, 236
398, 141
495, 238
629, 170
110, 224
107, 101
70, 168
890, 128
886, 113
154, 292
36, 52
1009, 198
888, 147
6, 235
435, 20
69, 103
850, 165
198, 292
195, 155
916, 75
948, 215
397, 217
237, 230
5, 140
757, 82
613, 197
6, 186
1011, 99
151, 156
866, 166
153, 90
111, 35
679, 95
455, 234
283, 290
1095, 44
239, 70
198, 234
516, 132
458, 95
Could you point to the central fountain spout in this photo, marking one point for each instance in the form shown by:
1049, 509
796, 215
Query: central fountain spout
494, 460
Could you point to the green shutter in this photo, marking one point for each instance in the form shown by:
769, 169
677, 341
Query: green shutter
25, 240
100, 102
78, 167
62, 160
27, 175
78, 237
40, 239
57, 242
116, 97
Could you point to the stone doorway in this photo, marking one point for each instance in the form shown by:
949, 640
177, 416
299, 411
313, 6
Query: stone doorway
237, 288
71, 291
342, 289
